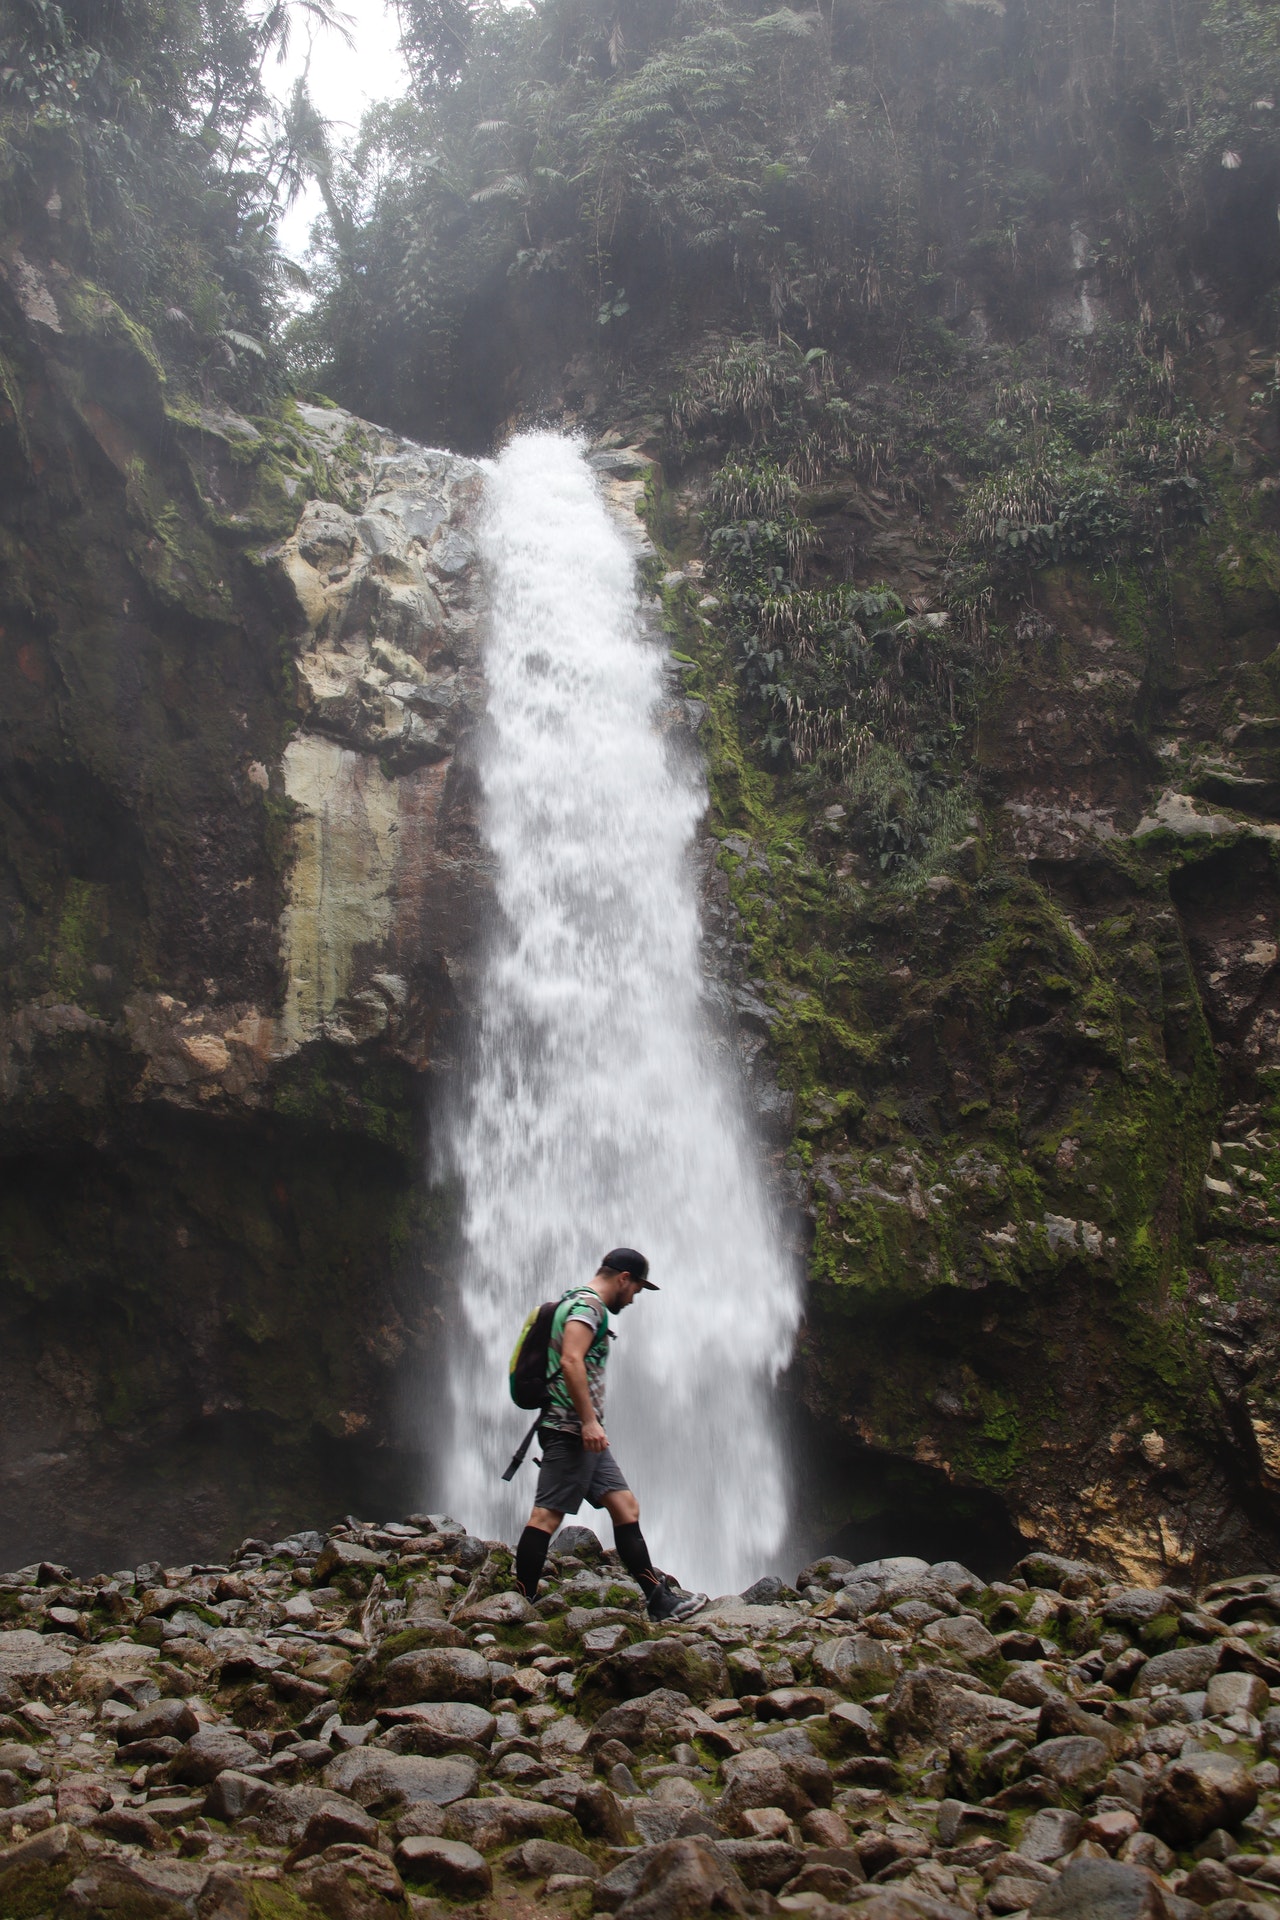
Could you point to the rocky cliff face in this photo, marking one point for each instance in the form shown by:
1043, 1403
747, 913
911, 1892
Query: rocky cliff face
1018, 1089
1021, 1081
240, 884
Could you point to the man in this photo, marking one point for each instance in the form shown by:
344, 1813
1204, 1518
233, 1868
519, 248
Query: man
576, 1462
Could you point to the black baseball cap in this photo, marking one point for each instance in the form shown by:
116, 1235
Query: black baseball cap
627, 1260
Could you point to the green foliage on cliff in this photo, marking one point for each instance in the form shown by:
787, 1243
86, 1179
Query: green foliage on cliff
832, 175
139, 141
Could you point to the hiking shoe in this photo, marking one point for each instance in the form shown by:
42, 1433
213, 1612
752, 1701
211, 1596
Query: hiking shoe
669, 1602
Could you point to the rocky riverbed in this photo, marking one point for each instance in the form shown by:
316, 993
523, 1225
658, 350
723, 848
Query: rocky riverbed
371, 1725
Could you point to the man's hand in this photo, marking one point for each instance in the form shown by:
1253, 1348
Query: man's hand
594, 1437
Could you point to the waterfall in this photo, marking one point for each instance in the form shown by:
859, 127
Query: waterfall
597, 1112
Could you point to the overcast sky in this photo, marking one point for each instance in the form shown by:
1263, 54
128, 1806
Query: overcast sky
344, 81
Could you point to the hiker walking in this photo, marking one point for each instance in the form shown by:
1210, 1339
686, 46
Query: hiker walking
576, 1462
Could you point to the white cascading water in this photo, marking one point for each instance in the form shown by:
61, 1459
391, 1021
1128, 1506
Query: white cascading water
598, 1114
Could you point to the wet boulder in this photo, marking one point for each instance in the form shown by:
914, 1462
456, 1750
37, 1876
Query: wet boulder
857, 1664
438, 1727
209, 1752
1102, 1890
1196, 1793
1184, 1669
486, 1824
640, 1722
172, 1719
682, 1881
437, 1673
936, 1704
381, 1781
1073, 1762
699, 1671
448, 1867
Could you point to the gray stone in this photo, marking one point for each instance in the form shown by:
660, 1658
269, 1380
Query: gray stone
1049, 1834
857, 1664
1072, 1761
345, 1556
618, 1885
934, 1703
829, 1882
210, 1751
581, 1541
283, 1816
1074, 1579
761, 1778
894, 1566
767, 1864
380, 1780
508, 1609
698, 1671
451, 1867
597, 1641
441, 1726
158, 1889
1138, 1606
794, 1703
32, 1863
131, 1825
1010, 1892
485, 1824
638, 1722
656, 1822
352, 1883
764, 1592
1101, 1890
26, 1657
563, 1739
860, 1597
957, 1578
231, 1794
1059, 1716
1184, 1669
423, 1817
437, 1673
1196, 1793
622, 463
1237, 1693
957, 1821
172, 1718
684, 1879
965, 1635
541, 1858
1028, 1684
337, 1820
854, 1727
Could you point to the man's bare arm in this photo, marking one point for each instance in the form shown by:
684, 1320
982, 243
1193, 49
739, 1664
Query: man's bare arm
573, 1364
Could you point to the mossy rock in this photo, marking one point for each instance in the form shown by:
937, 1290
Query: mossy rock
365, 1683
700, 1672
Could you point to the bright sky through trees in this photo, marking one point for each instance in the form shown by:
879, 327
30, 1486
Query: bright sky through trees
344, 81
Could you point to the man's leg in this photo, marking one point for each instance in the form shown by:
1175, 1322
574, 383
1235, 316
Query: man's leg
624, 1510
531, 1553
661, 1602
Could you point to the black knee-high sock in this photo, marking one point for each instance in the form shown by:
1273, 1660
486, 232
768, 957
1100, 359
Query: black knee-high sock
531, 1557
634, 1554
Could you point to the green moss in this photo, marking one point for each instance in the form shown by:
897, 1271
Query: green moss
82, 931
35, 1895
276, 1900
921, 1194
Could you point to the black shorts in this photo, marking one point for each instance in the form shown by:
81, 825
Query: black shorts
569, 1474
